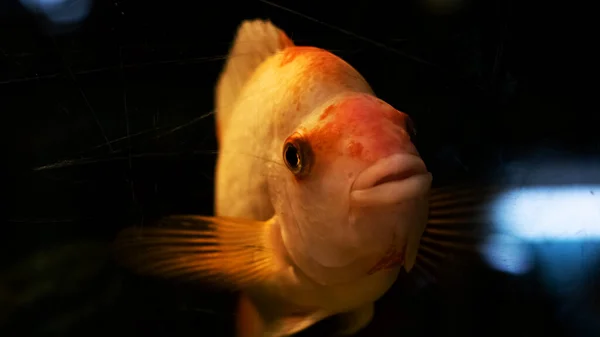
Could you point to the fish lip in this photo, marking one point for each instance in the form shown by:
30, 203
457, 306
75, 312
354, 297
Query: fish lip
391, 180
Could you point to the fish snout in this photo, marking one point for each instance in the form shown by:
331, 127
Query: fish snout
391, 180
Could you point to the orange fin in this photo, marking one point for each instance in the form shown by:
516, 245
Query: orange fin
225, 251
254, 42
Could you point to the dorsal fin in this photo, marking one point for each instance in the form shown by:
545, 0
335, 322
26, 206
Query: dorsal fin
254, 42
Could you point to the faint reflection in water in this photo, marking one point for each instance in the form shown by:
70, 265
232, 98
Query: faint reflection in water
507, 253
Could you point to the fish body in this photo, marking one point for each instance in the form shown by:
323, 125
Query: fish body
320, 199
296, 89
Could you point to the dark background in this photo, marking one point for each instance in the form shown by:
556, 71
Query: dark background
107, 124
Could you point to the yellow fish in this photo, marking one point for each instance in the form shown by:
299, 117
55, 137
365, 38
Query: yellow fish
321, 196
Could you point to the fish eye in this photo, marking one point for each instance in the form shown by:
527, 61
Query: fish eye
296, 155
292, 157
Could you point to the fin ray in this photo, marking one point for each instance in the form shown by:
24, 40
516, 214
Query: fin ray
233, 251
456, 226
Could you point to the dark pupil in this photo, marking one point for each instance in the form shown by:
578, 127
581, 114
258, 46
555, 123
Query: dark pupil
291, 156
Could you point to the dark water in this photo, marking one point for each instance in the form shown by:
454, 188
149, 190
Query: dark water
115, 112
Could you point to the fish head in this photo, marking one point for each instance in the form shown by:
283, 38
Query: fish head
354, 194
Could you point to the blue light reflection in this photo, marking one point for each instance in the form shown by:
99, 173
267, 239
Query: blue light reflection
545, 213
60, 11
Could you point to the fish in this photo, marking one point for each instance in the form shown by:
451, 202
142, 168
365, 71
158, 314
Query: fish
321, 196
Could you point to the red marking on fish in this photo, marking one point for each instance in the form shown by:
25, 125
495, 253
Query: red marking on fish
355, 149
323, 138
284, 40
326, 112
392, 258
368, 128
317, 65
290, 53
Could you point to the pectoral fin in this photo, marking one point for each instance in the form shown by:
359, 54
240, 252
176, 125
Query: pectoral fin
457, 225
226, 251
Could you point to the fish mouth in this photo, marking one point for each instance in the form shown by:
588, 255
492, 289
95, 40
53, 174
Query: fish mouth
391, 180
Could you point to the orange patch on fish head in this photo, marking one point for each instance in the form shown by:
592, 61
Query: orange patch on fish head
344, 137
355, 149
361, 127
